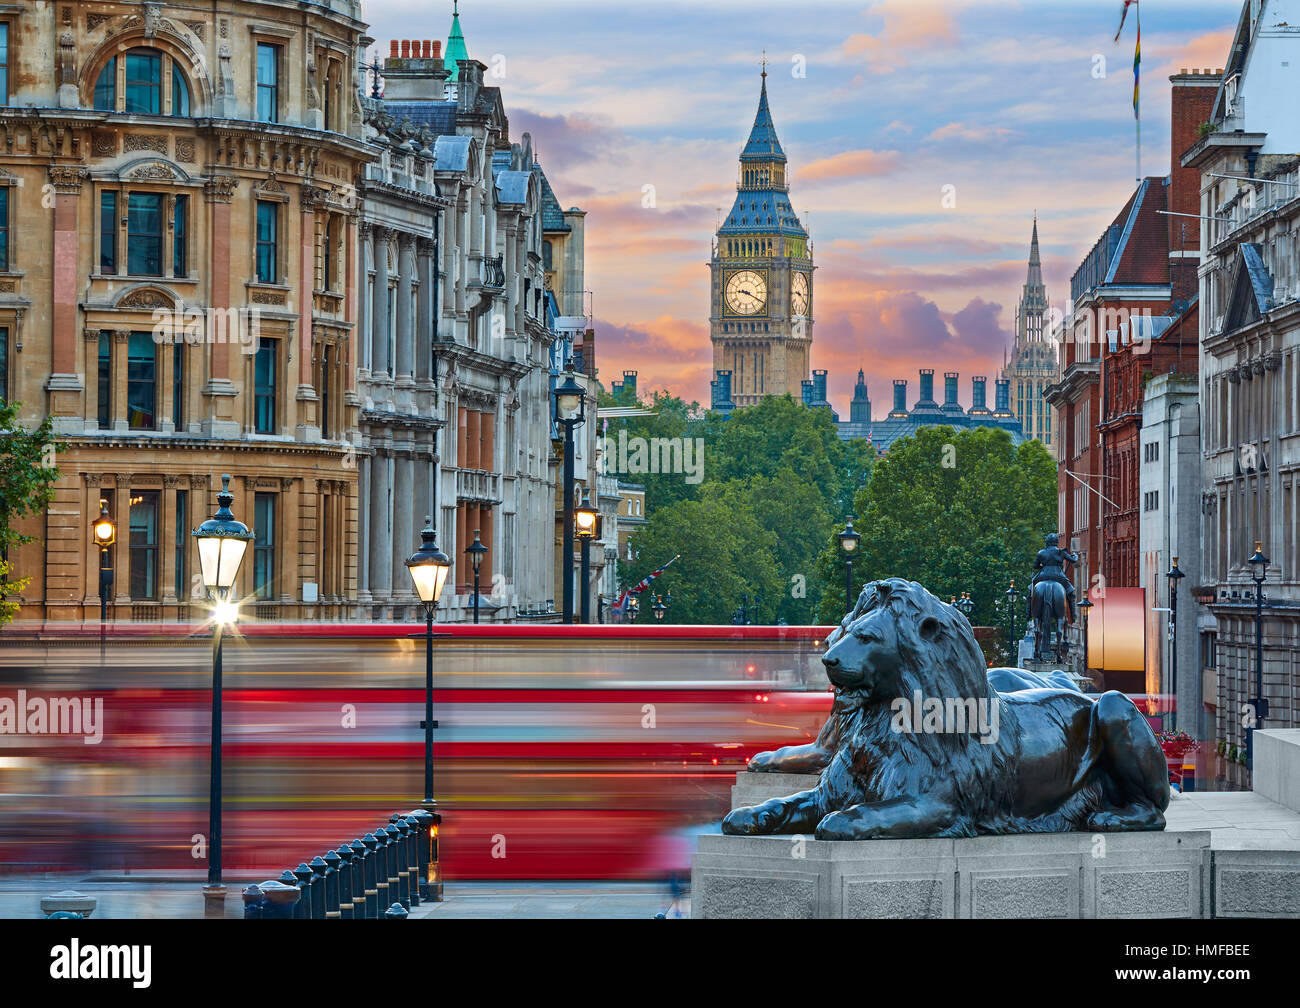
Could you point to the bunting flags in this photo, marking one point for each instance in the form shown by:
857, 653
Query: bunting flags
619, 606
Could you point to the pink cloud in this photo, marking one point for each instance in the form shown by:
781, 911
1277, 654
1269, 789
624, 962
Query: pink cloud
848, 165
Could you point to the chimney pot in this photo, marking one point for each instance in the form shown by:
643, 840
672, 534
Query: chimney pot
406, 48
392, 48
427, 45
437, 48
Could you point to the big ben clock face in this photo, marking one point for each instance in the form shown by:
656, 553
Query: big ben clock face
799, 294
746, 292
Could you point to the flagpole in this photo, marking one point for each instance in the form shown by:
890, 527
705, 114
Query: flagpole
1137, 92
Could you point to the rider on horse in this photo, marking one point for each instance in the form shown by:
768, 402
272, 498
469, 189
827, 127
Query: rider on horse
1050, 563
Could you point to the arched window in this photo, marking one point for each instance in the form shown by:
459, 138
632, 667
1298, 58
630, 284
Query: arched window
106, 87
180, 92
143, 82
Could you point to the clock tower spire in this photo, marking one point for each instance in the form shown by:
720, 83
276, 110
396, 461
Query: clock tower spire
761, 312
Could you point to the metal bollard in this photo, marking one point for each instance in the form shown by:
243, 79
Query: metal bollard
318, 865
254, 908
397, 877
385, 893
68, 901
332, 861
345, 856
372, 876
303, 876
407, 863
278, 899
426, 857
395, 912
358, 879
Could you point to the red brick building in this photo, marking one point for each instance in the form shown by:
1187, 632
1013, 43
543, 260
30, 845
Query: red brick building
1133, 314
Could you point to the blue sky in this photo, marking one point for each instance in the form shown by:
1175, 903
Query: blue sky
879, 106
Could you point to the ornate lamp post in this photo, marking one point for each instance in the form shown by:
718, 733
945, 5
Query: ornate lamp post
1174, 575
222, 542
570, 412
587, 521
475, 551
848, 545
429, 567
103, 533
633, 608
965, 605
659, 608
1258, 571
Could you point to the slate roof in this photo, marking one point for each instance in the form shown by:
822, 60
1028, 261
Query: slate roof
883, 433
765, 211
451, 153
438, 117
552, 213
763, 144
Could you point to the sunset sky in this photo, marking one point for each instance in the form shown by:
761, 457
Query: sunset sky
899, 99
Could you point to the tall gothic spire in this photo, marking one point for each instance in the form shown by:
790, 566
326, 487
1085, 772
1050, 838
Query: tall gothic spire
456, 51
1035, 277
763, 144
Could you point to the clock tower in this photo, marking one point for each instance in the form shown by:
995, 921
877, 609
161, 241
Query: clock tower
761, 313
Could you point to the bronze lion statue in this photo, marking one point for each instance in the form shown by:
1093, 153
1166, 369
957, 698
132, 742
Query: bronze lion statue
921, 744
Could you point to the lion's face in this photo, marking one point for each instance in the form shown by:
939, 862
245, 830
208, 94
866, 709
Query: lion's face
868, 660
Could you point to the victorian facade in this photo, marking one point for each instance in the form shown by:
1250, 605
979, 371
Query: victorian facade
1249, 169
1032, 366
178, 291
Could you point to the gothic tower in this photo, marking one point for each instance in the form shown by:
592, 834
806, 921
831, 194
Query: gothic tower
1033, 358
761, 313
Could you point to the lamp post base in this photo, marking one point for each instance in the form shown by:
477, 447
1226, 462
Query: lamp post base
214, 901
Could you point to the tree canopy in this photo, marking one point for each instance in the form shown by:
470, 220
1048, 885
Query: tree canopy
27, 476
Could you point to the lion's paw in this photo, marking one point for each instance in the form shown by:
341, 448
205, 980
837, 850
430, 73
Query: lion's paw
744, 822
761, 762
838, 826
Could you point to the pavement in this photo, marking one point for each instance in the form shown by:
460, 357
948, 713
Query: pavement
1237, 820
163, 900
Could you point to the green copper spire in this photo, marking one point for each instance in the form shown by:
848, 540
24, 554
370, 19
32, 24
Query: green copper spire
456, 51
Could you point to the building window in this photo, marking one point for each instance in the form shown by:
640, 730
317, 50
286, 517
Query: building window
142, 381
180, 215
4, 63
182, 542
4, 228
144, 234
105, 379
108, 233
264, 545
326, 380
268, 82
180, 92
143, 82
267, 221
106, 87
144, 544
4, 365
264, 362
178, 385
327, 258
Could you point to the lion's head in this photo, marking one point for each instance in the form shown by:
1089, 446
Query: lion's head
903, 639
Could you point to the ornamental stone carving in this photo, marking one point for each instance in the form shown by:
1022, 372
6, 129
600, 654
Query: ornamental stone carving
68, 178
220, 188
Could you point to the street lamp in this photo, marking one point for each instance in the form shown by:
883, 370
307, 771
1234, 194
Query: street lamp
1174, 575
659, 608
1085, 607
965, 605
848, 544
429, 567
587, 526
633, 607
222, 542
570, 412
475, 551
104, 534
1011, 596
1258, 571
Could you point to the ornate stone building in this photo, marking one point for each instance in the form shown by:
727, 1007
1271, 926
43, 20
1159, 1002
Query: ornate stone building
1249, 171
1032, 366
761, 313
178, 290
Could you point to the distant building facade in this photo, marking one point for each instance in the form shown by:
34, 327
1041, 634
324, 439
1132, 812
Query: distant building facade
1032, 367
927, 412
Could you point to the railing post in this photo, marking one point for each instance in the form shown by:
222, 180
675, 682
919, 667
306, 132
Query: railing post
395, 912
372, 877
407, 864
397, 879
303, 875
332, 862
279, 898
345, 856
318, 865
423, 850
358, 879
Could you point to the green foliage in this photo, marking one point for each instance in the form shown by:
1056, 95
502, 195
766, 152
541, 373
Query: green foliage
955, 510
27, 476
777, 484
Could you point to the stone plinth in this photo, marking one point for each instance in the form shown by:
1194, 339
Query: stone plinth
1223, 854
1068, 875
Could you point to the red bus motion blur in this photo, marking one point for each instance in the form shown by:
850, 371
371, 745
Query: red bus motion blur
561, 752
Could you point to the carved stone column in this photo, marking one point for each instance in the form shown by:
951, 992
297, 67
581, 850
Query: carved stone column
64, 384
380, 365
404, 370
220, 391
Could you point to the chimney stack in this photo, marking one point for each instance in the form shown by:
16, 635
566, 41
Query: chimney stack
900, 398
979, 401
